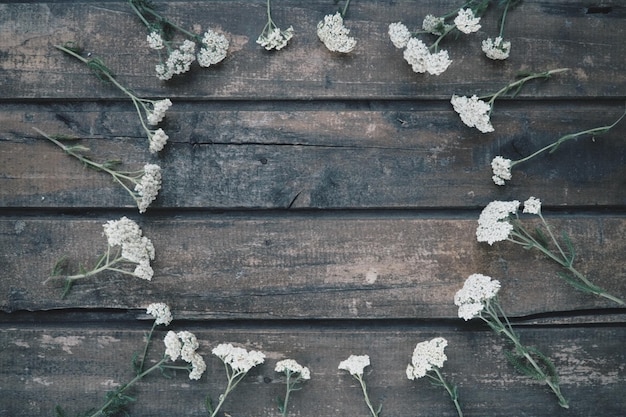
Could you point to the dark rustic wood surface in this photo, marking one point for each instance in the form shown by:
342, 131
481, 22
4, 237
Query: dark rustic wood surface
313, 206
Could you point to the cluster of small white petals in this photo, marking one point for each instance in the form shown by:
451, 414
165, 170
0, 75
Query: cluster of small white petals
173, 345
421, 60
501, 168
334, 34
355, 364
155, 41
466, 22
121, 232
426, 356
239, 359
184, 345
275, 38
214, 49
496, 49
144, 271
532, 206
476, 292
161, 313
293, 367
493, 222
135, 247
158, 140
473, 112
158, 111
149, 187
179, 61
434, 25
399, 35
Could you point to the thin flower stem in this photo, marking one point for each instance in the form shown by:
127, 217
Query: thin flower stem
345, 8
284, 411
519, 83
145, 349
139, 14
506, 9
157, 15
233, 379
367, 398
450, 389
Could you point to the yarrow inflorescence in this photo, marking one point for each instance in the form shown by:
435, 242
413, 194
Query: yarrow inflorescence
334, 34
427, 356
272, 37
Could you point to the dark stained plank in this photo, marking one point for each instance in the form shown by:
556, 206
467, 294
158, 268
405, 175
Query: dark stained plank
544, 34
47, 365
307, 266
394, 155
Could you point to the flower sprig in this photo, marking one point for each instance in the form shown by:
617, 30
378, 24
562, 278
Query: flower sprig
142, 185
332, 32
295, 374
273, 37
150, 112
126, 248
162, 316
428, 357
213, 45
500, 221
475, 111
478, 298
355, 364
237, 362
498, 48
502, 167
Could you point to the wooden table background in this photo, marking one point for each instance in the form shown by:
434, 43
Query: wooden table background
313, 206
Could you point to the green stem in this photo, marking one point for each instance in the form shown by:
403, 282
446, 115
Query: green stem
233, 379
345, 8
506, 9
286, 401
145, 349
451, 391
519, 83
367, 398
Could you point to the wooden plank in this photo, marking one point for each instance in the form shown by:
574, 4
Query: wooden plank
47, 365
402, 265
276, 155
544, 34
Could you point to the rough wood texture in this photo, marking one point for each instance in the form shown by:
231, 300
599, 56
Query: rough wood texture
313, 206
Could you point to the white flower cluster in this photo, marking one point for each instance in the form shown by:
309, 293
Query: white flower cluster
292, 367
155, 40
435, 25
493, 222
178, 61
421, 60
501, 168
149, 187
532, 206
275, 38
496, 49
135, 247
399, 35
157, 139
466, 22
159, 108
161, 313
355, 364
184, 345
334, 34
476, 292
214, 48
239, 359
473, 112
426, 356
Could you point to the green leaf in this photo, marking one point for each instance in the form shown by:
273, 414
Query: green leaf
281, 405
59, 412
59, 266
208, 404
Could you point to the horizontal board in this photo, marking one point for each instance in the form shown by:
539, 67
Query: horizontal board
275, 155
544, 34
307, 266
74, 367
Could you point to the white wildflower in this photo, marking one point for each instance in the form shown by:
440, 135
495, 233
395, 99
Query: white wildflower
334, 34
155, 41
179, 61
239, 359
158, 111
161, 313
416, 54
399, 35
466, 22
144, 271
476, 292
149, 187
198, 366
501, 168
292, 367
426, 356
157, 140
275, 38
496, 49
190, 344
532, 206
473, 112
173, 345
122, 231
433, 24
437, 63
214, 49
493, 222
355, 364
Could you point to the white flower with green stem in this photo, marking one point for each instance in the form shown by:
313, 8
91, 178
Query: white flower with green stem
427, 360
498, 48
502, 167
128, 252
476, 112
355, 365
500, 221
150, 112
478, 299
162, 316
295, 375
142, 185
175, 344
237, 362
273, 37
213, 45
332, 32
